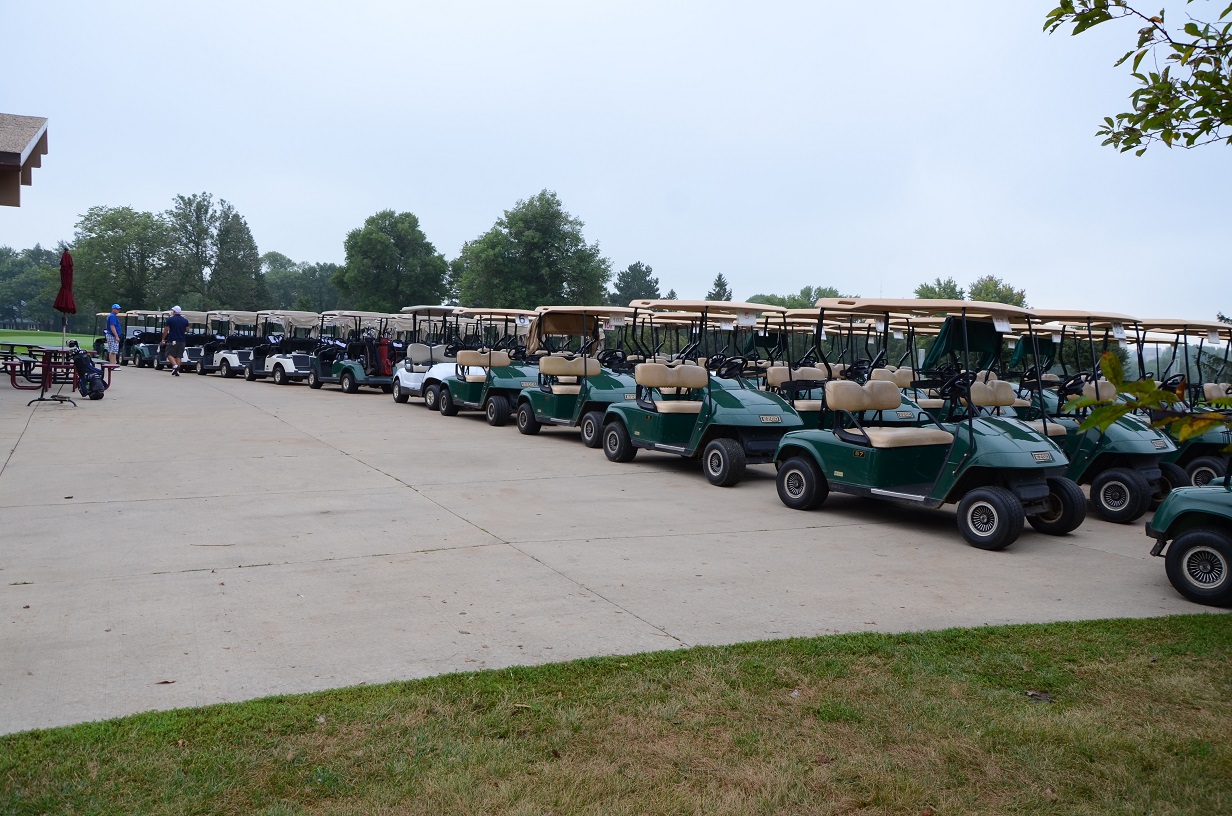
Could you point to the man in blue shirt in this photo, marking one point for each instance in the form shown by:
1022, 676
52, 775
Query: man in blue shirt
113, 333
174, 335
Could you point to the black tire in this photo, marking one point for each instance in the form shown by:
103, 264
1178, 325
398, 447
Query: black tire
249, 374
497, 410
801, 484
990, 518
280, 375
432, 398
1120, 495
387, 389
617, 446
446, 403
200, 369
1170, 476
400, 393
723, 462
1067, 508
1204, 470
527, 424
348, 384
314, 382
224, 369
1197, 563
123, 361
592, 429
158, 365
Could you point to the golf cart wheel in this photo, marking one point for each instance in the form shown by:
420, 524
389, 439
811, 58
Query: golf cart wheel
158, 365
224, 370
249, 374
1120, 495
387, 389
1170, 476
200, 369
400, 394
990, 518
617, 446
724, 461
497, 410
447, 406
314, 382
527, 424
1204, 470
347, 381
1197, 564
280, 375
1067, 508
123, 361
800, 484
592, 429
432, 398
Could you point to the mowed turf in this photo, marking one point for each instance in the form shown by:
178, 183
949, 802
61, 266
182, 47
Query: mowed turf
1110, 717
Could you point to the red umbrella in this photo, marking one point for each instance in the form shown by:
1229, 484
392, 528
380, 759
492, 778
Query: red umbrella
64, 300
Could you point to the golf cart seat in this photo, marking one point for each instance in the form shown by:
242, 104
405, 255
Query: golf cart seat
1053, 428
809, 376
568, 371
675, 379
992, 394
1101, 390
985, 376
901, 377
468, 359
879, 395
1213, 391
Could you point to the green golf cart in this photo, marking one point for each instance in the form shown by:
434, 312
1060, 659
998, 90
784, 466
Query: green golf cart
998, 470
353, 350
1194, 524
574, 387
486, 376
683, 408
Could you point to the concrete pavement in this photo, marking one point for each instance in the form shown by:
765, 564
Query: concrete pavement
194, 540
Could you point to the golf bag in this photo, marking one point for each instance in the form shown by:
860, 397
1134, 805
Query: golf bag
89, 376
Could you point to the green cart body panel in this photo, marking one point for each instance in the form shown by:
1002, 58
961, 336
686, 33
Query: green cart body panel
597, 393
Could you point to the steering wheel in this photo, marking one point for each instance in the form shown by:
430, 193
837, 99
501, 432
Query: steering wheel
957, 385
1072, 384
612, 357
732, 367
878, 360
1173, 382
452, 349
716, 362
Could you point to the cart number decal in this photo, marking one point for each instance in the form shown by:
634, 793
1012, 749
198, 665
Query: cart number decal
1042, 456
767, 418
838, 473
630, 396
859, 454
905, 415
528, 385
1159, 444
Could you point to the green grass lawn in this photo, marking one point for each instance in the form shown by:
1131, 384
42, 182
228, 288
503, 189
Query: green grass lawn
1135, 721
44, 338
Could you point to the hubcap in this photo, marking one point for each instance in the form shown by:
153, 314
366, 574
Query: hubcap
1053, 512
1205, 567
611, 442
1114, 496
794, 483
1202, 477
983, 518
715, 462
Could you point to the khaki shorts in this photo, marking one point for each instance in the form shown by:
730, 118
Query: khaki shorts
175, 350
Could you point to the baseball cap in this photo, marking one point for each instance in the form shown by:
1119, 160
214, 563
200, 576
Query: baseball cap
115, 305
175, 309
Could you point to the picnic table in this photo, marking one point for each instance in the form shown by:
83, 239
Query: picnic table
41, 367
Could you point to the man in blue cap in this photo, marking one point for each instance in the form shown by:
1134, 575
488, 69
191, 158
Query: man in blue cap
114, 333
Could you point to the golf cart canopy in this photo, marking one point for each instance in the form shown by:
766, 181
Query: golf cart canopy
430, 311
574, 320
1195, 328
698, 306
914, 308
1081, 318
235, 317
290, 319
191, 317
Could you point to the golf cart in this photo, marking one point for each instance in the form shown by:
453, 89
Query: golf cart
434, 336
230, 350
486, 375
1125, 464
1194, 524
353, 350
1199, 456
284, 351
998, 470
143, 331
683, 409
574, 387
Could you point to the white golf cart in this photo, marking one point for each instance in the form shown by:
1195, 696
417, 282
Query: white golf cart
431, 341
284, 350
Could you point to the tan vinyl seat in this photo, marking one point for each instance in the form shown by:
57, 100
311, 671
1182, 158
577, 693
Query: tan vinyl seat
1101, 390
884, 374
1215, 390
1054, 428
470, 359
930, 403
993, 394
881, 395
568, 372
667, 379
777, 375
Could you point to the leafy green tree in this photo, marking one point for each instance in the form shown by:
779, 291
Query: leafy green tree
992, 289
237, 280
390, 263
719, 290
947, 289
192, 225
534, 255
1184, 95
633, 283
806, 297
29, 281
120, 255
282, 279
317, 292
671, 295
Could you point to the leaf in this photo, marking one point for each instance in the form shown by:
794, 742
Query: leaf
1111, 366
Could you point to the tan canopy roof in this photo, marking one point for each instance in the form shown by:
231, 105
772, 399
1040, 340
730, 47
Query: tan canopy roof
290, 319
429, 311
919, 307
234, 316
698, 306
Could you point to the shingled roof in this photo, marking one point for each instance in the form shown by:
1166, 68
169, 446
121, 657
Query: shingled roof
23, 143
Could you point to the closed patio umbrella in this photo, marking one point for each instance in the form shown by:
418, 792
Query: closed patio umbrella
65, 304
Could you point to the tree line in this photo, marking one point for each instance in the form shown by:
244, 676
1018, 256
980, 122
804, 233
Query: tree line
200, 254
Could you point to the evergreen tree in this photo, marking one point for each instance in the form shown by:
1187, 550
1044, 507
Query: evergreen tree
635, 282
237, 280
719, 290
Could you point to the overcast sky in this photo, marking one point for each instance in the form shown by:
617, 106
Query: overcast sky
867, 146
